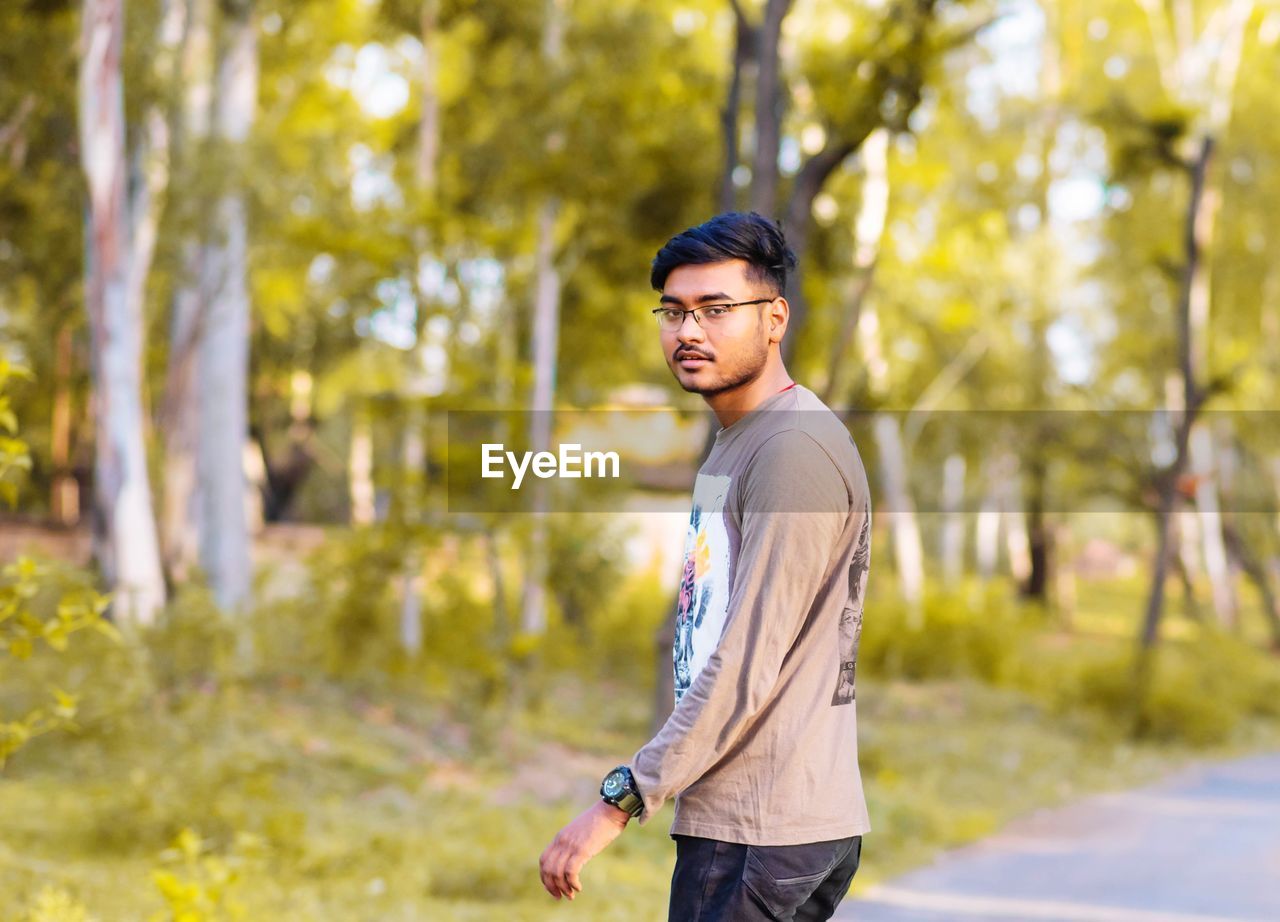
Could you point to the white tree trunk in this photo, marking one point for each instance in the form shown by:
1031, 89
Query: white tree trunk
951, 550
223, 351
546, 328
908, 550
255, 485
1210, 522
1017, 543
182, 506
124, 522
872, 351
987, 524
413, 459
414, 447
546, 325
868, 232
360, 469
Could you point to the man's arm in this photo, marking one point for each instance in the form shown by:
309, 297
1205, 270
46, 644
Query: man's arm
795, 504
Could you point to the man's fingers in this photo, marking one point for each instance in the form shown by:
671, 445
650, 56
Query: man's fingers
557, 869
547, 870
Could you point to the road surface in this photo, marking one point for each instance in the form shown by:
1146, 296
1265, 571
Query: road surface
1200, 846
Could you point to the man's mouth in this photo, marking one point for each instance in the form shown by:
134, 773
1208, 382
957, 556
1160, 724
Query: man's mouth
692, 360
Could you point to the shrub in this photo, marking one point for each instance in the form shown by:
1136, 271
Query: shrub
34, 614
954, 638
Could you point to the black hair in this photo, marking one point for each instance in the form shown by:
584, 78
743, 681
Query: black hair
732, 235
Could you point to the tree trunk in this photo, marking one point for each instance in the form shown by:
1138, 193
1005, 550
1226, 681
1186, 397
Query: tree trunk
768, 110
223, 348
1039, 532
1175, 54
987, 524
795, 226
429, 123
181, 528
1238, 547
124, 523
868, 234
65, 498
546, 328
743, 53
951, 550
413, 460
546, 322
414, 446
1211, 525
182, 506
908, 552
1184, 561
1192, 319
1017, 542
360, 468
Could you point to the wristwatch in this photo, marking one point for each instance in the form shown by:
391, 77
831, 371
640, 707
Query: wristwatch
619, 788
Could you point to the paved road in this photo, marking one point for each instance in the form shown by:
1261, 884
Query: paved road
1200, 846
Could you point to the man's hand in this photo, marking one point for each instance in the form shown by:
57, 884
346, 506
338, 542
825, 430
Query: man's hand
576, 844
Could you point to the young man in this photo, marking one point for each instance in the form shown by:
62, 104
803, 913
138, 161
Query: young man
761, 751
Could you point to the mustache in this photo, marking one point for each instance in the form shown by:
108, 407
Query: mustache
689, 353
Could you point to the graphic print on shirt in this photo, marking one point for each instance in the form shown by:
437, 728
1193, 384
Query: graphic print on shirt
704, 582
851, 616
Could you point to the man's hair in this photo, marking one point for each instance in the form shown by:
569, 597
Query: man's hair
732, 235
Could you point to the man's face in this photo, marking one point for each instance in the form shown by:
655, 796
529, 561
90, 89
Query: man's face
718, 356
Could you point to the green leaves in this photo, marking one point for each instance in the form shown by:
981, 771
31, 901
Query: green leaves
201, 886
25, 589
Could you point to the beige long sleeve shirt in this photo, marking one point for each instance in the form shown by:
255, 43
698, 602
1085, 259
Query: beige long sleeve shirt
762, 745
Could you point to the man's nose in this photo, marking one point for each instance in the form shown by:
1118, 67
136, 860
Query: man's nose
690, 330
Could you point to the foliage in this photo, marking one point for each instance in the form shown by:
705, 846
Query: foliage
14, 456
955, 638
31, 616
201, 884
281, 794
1202, 687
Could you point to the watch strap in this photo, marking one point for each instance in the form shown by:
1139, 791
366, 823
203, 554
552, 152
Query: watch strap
632, 803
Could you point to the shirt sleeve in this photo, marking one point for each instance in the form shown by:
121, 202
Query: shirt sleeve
795, 504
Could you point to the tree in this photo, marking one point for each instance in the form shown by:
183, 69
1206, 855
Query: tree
222, 367
124, 525
1201, 77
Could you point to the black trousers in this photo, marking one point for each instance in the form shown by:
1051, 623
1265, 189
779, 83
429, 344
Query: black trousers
718, 881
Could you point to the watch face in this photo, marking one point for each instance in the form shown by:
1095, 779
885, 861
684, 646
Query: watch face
613, 784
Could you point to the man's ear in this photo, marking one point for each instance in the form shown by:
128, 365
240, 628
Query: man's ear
779, 315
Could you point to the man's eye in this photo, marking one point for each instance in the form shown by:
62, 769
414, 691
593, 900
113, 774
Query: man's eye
672, 314
715, 311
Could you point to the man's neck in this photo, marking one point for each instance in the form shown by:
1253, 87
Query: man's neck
731, 406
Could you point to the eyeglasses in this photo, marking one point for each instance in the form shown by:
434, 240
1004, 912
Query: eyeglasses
709, 315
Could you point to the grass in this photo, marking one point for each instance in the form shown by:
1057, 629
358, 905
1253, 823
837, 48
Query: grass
328, 804
395, 794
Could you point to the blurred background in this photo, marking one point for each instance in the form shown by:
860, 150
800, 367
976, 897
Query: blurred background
253, 253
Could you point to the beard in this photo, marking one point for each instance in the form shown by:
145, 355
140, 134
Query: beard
747, 370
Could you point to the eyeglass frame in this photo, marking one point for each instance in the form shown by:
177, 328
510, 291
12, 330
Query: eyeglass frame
658, 311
